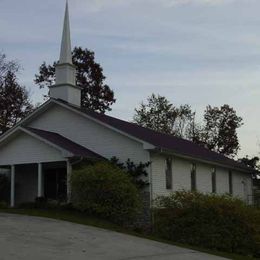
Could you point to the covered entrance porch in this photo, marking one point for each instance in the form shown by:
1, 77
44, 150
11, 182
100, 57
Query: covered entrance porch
39, 164
48, 180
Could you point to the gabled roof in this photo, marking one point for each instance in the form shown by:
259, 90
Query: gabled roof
164, 141
156, 140
64, 143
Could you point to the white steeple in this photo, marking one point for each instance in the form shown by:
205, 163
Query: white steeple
65, 87
65, 51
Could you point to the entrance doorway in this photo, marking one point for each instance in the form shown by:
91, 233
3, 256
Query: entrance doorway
55, 184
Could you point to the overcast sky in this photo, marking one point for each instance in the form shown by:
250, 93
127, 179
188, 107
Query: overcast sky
197, 52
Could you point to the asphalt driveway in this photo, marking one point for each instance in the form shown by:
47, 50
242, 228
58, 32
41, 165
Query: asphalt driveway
24, 237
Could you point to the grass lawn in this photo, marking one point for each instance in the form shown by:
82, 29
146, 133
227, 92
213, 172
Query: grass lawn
80, 218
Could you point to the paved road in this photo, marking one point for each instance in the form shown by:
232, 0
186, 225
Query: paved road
31, 238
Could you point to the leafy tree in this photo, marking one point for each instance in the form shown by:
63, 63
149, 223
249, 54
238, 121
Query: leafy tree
195, 132
252, 162
160, 115
96, 95
220, 130
136, 172
14, 98
7, 66
183, 122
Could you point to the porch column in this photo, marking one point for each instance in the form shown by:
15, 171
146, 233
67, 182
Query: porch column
12, 197
40, 182
69, 172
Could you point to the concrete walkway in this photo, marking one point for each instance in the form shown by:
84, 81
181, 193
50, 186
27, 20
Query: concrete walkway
30, 238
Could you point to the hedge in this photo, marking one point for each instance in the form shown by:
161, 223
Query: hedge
211, 221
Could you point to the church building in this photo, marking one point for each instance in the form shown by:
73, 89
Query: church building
42, 149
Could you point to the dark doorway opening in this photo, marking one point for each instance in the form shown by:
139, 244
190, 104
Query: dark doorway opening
55, 184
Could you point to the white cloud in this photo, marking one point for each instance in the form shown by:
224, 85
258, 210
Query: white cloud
97, 5
193, 51
208, 2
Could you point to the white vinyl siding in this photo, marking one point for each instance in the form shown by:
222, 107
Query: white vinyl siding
181, 174
242, 186
24, 149
222, 180
204, 178
181, 178
90, 134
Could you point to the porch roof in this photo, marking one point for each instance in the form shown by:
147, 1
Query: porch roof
64, 143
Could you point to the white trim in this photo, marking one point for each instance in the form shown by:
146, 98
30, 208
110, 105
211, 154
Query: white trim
69, 172
40, 180
12, 194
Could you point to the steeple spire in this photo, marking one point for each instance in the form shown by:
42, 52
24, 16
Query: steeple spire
65, 52
65, 86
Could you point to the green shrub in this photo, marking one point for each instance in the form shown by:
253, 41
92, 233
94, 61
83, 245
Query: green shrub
211, 221
105, 190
